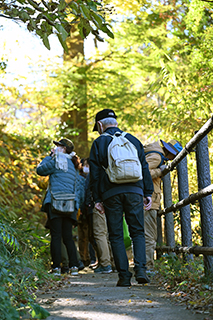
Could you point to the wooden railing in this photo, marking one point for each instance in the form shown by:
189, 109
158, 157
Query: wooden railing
199, 144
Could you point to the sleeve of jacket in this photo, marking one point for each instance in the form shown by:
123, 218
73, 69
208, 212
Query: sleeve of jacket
46, 166
153, 160
95, 168
80, 187
147, 179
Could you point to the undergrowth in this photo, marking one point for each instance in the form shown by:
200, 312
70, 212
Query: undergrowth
22, 271
186, 281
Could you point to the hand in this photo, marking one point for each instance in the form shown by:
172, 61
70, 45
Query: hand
52, 152
99, 206
147, 203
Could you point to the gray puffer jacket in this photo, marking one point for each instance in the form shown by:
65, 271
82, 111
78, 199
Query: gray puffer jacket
59, 180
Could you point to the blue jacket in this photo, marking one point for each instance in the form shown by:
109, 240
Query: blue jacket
59, 180
101, 187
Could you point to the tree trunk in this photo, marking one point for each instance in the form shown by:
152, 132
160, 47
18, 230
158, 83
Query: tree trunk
76, 117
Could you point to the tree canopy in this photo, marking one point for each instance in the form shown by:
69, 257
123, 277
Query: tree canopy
57, 16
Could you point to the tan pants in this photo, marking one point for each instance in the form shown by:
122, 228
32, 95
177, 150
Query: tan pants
150, 226
102, 240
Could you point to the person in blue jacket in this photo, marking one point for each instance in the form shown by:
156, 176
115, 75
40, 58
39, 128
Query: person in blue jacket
115, 199
62, 167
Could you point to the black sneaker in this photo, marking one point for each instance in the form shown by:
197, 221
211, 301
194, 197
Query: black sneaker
123, 283
141, 277
80, 265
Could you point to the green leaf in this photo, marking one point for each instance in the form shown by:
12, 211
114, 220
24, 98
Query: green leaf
38, 312
45, 41
63, 43
85, 11
30, 11
24, 15
74, 7
105, 29
97, 19
92, 5
62, 31
62, 5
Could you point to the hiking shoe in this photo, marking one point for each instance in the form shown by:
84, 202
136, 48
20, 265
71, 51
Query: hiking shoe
93, 264
102, 269
80, 265
56, 271
141, 277
123, 283
74, 271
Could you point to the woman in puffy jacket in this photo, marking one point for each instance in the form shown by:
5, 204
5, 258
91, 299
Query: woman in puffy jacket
62, 167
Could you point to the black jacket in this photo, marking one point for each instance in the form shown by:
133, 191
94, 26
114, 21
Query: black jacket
100, 185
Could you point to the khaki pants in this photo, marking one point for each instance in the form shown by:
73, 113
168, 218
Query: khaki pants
150, 226
102, 240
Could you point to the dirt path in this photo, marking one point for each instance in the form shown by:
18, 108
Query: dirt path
92, 296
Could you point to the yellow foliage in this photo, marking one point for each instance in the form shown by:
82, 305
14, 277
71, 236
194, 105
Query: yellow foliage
20, 195
126, 6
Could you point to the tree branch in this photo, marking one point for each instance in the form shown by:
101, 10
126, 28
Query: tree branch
7, 17
35, 6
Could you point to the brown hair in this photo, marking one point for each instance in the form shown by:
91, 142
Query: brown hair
77, 162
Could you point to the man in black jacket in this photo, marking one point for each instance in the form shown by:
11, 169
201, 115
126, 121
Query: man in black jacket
115, 199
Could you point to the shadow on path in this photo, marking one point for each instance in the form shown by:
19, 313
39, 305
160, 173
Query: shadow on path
92, 296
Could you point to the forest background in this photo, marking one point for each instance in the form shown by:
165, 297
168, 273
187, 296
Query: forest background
155, 72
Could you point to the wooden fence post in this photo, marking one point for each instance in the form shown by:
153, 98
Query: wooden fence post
159, 235
169, 219
206, 213
185, 214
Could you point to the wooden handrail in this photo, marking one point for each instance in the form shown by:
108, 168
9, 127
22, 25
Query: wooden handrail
204, 130
191, 199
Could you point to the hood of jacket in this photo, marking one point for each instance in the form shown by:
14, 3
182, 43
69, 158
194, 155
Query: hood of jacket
154, 146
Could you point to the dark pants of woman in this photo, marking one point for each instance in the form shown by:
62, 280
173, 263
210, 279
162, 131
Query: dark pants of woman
61, 227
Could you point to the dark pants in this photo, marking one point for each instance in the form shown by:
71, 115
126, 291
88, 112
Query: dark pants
61, 227
132, 205
92, 253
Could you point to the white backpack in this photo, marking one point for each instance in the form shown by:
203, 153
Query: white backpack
124, 165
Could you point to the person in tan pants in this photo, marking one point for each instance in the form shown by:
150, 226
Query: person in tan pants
156, 156
106, 261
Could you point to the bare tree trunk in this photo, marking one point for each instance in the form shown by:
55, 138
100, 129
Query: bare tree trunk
76, 117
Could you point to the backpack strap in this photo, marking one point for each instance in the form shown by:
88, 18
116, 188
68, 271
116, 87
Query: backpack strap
112, 136
161, 154
117, 133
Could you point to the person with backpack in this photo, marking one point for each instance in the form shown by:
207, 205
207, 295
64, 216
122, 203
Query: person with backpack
120, 182
62, 200
156, 156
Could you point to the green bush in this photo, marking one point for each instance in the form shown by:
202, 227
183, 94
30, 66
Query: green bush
21, 270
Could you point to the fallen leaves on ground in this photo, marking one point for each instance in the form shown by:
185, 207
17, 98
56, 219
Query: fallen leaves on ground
191, 293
